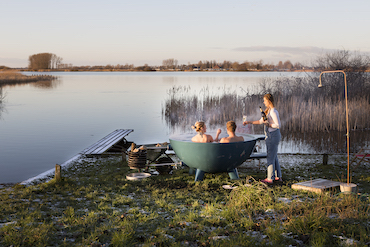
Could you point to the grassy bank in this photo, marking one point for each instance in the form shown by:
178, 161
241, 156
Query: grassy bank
14, 77
94, 205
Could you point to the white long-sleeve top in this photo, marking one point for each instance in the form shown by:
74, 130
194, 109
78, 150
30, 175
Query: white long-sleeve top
273, 119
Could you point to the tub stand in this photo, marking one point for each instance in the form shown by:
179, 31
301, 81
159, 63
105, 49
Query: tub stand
199, 174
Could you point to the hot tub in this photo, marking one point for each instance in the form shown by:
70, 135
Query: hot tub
214, 157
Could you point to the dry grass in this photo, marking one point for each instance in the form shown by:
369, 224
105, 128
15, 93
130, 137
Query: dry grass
14, 77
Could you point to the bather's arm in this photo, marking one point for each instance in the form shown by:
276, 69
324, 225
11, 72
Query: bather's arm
217, 135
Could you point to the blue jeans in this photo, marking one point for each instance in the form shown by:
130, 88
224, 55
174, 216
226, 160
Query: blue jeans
272, 143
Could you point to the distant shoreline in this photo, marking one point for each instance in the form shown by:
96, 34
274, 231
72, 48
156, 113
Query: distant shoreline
120, 70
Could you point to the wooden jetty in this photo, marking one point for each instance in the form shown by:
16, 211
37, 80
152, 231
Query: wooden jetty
114, 143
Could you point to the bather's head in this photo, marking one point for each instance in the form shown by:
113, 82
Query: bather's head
231, 126
199, 126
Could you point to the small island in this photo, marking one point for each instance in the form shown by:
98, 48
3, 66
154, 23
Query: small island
14, 77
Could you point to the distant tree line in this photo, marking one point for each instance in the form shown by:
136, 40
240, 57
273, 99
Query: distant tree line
171, 64
333, 60
43, 61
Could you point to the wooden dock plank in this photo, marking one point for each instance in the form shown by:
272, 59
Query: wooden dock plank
101, 146
107, 142
110, 140
317, 185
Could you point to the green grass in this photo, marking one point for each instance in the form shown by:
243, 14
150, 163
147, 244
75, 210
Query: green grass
94, 205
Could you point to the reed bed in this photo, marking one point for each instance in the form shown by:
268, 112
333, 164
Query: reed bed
301, 105
14, 77
320, 115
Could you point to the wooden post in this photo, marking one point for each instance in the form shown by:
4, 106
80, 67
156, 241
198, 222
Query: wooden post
58, 175
325, 159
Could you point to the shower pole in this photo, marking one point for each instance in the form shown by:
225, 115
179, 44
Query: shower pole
346, 97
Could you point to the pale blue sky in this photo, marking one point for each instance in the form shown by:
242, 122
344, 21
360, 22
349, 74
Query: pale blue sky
144, 31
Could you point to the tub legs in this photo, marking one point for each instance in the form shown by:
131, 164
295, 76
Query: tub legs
192, 171
233, 174
199, 175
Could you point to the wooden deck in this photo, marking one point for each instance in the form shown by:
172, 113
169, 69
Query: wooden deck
317, 185
114, 143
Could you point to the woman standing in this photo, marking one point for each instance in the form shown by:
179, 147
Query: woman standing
273, 136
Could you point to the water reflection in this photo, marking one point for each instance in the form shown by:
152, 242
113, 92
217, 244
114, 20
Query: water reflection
324, 142
47, 84
52, 84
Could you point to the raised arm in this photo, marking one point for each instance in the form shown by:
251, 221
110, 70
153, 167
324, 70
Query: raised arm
217, 135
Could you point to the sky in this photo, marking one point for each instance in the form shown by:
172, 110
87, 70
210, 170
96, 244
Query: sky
139, 32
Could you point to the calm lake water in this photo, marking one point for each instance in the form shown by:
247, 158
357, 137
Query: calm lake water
43, 124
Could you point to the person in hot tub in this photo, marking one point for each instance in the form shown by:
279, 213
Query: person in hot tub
231, 127
201, 128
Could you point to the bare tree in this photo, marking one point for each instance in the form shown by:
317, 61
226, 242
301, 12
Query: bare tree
280, 65
170, 63
58, 61
354, 64
288, 65
343, 60
298, 65
43, 61
55, 61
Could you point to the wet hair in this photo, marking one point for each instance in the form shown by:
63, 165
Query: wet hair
198, 126
270, 98
231, 126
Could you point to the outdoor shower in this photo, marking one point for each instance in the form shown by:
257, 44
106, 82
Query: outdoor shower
346, 97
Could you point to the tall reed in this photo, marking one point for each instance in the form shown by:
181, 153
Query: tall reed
301, 105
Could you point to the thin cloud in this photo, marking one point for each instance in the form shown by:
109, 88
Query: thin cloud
283, 49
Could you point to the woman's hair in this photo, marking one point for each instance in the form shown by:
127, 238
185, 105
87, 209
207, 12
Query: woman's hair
270, 98
231, 126
198, 126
